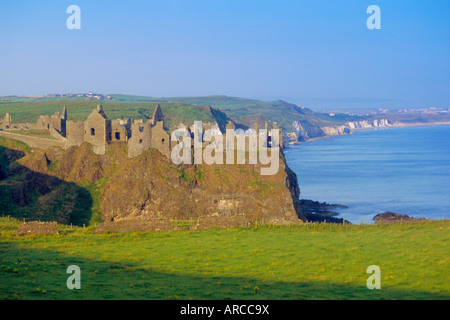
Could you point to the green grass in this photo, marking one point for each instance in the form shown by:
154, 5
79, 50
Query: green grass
95, 191
14, 144
313, 261
247, 111
219, 101
183, 223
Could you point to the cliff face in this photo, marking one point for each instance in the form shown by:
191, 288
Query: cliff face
347, 128
303, 131
150, 186
336, 131
369, 124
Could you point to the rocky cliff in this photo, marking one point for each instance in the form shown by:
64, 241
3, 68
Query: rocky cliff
143, 188
302, 131
347, 128
366, 124
152, 187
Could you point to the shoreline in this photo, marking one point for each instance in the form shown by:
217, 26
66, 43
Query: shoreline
406, 125
399, 125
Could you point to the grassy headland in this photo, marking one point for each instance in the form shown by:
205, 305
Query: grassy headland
310, 261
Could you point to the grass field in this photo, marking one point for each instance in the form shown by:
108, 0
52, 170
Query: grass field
308, 261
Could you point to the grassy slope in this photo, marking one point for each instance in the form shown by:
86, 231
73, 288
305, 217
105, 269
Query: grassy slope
250, 110
301, 262
223, 102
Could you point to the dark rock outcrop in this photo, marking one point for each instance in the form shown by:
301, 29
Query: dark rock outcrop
315, 211
393, 217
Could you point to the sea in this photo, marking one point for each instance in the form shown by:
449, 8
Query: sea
402, 169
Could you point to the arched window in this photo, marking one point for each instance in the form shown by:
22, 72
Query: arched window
92, 132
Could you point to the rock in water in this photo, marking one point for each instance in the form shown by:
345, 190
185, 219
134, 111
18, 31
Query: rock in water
393, 217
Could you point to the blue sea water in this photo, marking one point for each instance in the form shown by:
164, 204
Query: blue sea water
404, 170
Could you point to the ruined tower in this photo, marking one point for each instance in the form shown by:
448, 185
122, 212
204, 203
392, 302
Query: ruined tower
7, 122
97, 130
64, 113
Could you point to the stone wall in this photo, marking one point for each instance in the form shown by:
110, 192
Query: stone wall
160, 139
57, 123
118, 131
43, 122
74, 133
34, 142
56, 134
141, 138
35, 227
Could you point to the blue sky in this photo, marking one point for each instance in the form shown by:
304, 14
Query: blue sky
297, 50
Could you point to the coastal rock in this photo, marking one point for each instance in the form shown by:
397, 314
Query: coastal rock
393, 217
315, 211
337, 131
347, 128
366, 124
302, 131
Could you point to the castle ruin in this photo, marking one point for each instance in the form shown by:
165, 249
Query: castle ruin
97, 130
